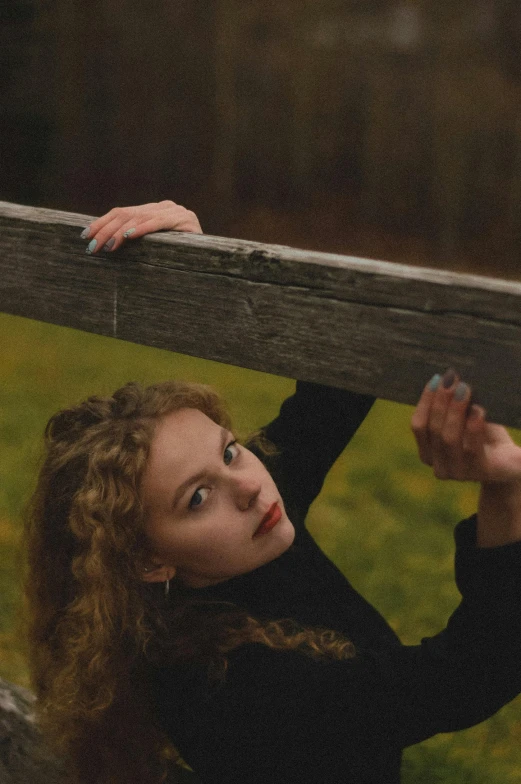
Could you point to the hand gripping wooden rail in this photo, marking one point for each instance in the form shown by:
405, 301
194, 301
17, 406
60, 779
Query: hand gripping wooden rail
369, 326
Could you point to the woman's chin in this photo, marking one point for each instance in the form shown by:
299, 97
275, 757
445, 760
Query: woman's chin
285, 534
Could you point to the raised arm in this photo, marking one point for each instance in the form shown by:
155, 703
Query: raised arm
313, 427
465, 674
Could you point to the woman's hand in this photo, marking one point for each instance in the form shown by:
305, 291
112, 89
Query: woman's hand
454, 437
111, 230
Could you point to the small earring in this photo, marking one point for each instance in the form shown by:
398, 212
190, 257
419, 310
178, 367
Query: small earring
167, 587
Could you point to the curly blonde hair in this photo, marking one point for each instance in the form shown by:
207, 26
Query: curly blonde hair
92, 627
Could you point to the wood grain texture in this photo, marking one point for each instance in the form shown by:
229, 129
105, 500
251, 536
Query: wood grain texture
370, 326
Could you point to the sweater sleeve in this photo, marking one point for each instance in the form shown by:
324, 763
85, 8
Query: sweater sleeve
313, 427
448, 682
470, 670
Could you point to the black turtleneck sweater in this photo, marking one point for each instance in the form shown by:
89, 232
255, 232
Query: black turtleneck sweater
281, 716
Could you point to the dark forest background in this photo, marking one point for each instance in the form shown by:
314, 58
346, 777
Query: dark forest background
379, 128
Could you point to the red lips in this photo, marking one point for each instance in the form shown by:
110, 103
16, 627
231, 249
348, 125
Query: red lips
270, 519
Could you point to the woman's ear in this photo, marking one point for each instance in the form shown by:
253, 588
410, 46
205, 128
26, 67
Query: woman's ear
157, 573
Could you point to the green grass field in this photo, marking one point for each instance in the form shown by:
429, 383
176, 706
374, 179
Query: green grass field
382, 517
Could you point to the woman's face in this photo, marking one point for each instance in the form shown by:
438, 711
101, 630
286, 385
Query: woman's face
205, 498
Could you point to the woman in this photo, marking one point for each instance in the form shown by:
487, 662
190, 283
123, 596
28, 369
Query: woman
177, 600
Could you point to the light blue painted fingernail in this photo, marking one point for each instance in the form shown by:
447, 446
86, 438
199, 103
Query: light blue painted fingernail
129, 232
85, 233
461, 391
91, 246
434, 382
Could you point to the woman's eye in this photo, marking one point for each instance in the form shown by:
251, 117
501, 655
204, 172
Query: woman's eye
231, 451
200, 495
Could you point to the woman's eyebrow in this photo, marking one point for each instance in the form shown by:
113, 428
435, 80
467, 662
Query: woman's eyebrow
200, 475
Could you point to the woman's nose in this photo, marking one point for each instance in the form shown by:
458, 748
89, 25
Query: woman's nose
247, 490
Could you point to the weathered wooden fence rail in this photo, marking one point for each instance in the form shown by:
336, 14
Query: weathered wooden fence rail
370, 326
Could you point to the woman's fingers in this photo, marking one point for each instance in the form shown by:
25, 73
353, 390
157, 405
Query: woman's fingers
429, 418
420, 420
474, 435
100, 238
454, 437
446, 439
115, 217
449, 458
110, 231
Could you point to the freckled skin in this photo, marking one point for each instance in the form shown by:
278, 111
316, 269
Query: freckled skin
208, 536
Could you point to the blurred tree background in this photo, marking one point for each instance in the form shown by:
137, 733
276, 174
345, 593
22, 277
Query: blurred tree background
385, 129
382, 128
